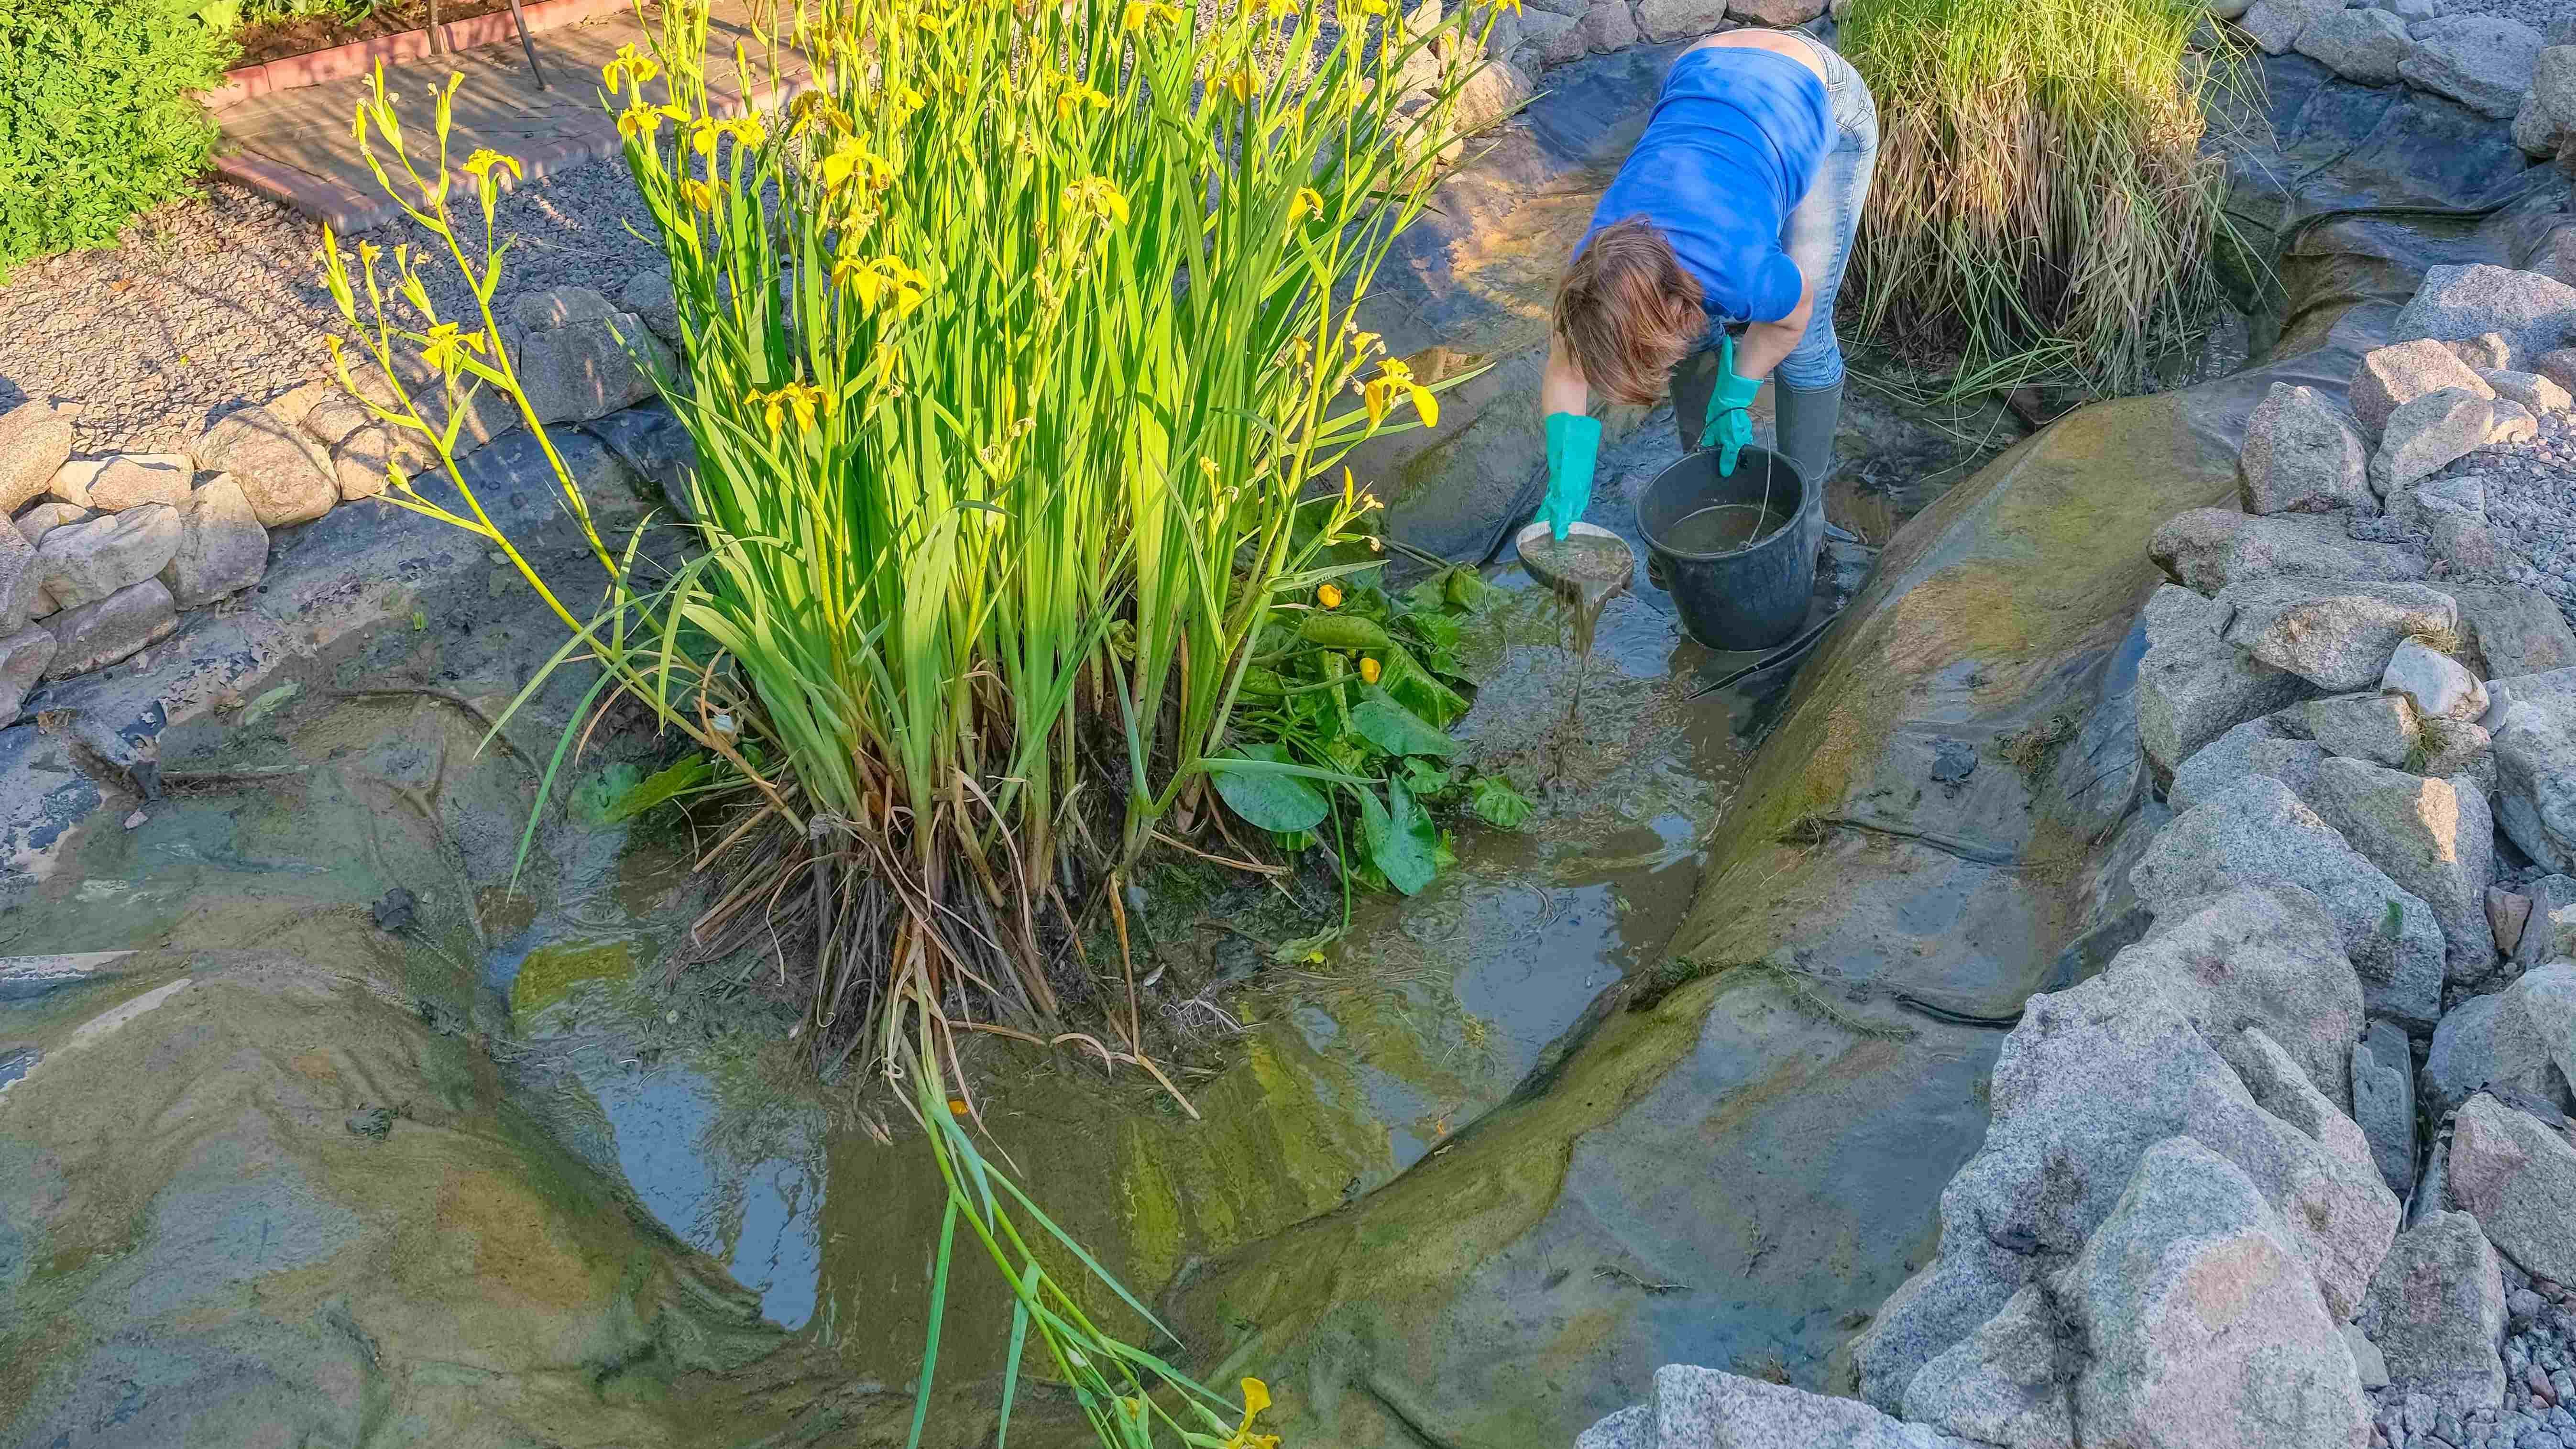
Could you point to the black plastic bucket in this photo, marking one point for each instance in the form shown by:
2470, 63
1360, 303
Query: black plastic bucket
1745, 598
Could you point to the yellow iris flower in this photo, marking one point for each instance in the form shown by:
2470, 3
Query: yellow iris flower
1393, 377
1309, 202
1256, 1397
884, 281
1095, 196
480, 164
853, 161
700, 195
444, 348
802, 399
1076, 95
630, 65
1141, 13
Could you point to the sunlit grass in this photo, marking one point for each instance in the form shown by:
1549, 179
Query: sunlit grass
2042, 206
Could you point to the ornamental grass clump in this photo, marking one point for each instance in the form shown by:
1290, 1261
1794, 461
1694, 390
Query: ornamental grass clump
1012, 345
2043, 204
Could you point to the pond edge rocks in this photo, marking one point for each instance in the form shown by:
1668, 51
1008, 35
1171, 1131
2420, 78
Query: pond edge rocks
2331, 1088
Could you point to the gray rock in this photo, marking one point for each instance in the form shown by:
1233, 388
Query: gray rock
2256, 830
2429, 433
2532, 391
2366, 46
2438, 686
2260, 958
2256, 747
2004, 1384
2550, 936
2484, 62
2302, 453
2388, 378
364, 463
2433, 837
1664, 20
94, 636
2436, 1310
1715, 1410
2209, 549
2455, 747
35, 442
124, 480
2338, 637
2516, 1177
1605, 28
2194, 688
1775, 13
23, 657
2411, 11
586, 366
2375, 727
2515, 1043
2549, 108
2535, 313
2559, 366
222, 549
2383, 1103
2507, 913
2368, 1363
2204, 1329
2089, 1080
2276, 25
2535, 752
2516, 630
2553, 689
656, 445
647, 295
22, 580
285, 477
1630, 1428
86, 562
332, 419
2511, 422
45, 517
2484, 353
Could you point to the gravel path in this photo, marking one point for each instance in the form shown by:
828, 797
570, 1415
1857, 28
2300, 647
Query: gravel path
2540, 15
214, 302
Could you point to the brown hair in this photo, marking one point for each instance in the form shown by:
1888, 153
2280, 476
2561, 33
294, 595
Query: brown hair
1628, 312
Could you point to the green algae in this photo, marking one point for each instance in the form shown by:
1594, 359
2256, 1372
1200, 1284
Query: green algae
549, 973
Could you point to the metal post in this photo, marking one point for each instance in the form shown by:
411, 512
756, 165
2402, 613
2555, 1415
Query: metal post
526, 44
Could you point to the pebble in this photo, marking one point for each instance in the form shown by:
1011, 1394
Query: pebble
135, 819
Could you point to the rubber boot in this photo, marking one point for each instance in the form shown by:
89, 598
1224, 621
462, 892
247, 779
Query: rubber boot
1808, 418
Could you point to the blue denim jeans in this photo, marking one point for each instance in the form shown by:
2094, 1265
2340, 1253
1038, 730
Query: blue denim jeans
1817, 236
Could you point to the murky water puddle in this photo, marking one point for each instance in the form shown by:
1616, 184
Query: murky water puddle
1350, 1066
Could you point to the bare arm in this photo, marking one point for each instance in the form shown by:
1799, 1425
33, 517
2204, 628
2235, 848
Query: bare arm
1563, 388
1764, 344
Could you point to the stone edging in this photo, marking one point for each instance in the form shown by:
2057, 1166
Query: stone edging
2335, 1074
358, 56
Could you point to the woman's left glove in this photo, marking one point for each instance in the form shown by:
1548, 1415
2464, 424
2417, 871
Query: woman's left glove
1730, 427
1573, 445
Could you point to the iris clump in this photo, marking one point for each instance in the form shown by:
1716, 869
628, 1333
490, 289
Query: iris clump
1011, 347
2043, 205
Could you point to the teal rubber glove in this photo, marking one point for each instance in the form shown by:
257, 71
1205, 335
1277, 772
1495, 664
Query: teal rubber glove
1730, 427
1573, 444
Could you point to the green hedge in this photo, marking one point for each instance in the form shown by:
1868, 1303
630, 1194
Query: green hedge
96, 123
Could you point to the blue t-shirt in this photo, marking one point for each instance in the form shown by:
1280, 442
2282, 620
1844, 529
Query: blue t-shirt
1735, 140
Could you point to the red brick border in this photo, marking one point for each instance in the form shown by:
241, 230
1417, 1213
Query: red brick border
359, 56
